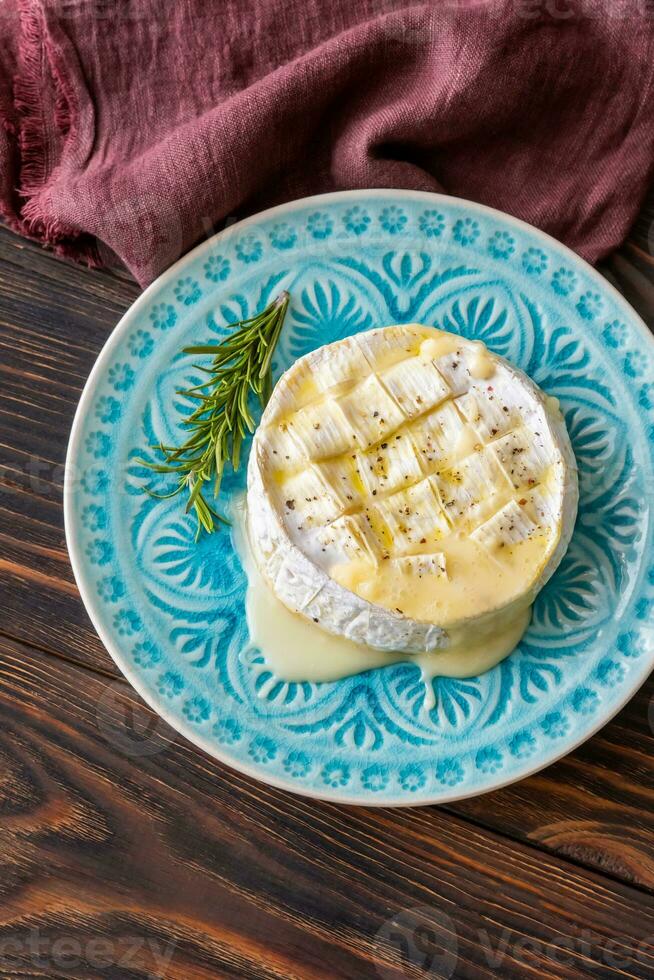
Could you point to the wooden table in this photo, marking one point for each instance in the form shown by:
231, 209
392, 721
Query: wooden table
121, 862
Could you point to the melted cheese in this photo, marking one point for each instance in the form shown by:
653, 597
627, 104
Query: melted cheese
298, 650
482, 365
410, 490
439, 344
476, 580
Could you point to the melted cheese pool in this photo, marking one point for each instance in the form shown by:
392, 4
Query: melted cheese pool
296, 649
410, 490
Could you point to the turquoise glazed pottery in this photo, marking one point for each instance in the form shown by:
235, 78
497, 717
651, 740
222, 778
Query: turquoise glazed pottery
171, 612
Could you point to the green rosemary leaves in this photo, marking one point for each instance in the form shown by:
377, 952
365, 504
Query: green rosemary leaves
241, 365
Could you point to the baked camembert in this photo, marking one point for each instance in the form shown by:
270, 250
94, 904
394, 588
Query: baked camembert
409, 490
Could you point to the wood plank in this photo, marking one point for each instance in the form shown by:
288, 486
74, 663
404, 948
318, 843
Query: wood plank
54, 318
594, 807
631, 271
196, 871
642, 231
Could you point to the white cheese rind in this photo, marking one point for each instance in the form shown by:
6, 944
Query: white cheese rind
525, 439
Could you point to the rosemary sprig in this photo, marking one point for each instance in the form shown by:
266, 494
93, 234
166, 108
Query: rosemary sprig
241, 366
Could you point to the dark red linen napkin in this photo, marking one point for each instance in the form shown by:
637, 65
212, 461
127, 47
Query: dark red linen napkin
140, 125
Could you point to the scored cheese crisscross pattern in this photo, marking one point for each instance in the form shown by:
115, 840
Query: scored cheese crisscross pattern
391, 462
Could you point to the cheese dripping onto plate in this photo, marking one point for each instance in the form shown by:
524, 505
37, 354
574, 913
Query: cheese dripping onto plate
409, 490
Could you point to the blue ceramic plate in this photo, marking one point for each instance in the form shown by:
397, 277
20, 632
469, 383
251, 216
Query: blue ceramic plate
171, 612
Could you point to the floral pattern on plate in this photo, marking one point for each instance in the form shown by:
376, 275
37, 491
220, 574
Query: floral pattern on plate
172, 611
